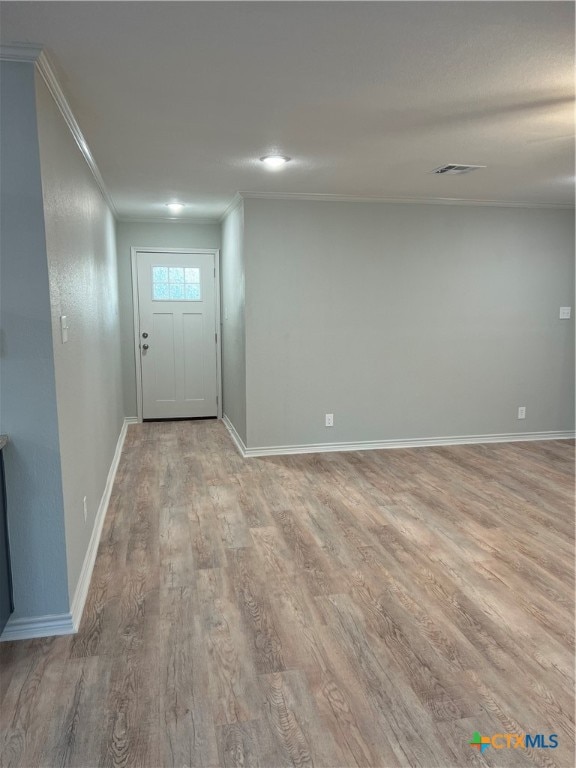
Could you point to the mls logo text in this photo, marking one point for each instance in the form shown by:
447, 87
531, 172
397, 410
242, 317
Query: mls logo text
514, 741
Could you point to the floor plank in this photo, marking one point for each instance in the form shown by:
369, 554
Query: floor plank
365, 609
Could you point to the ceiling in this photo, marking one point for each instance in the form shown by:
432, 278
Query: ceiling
179, 100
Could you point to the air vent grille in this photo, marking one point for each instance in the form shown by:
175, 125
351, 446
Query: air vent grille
454, 168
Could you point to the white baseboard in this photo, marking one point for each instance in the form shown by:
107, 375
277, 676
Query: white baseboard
374, 445
83, 585
38, 626
238, 442
68, 623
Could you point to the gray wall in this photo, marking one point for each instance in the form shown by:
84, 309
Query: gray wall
162, 235
406, 321
28, 411
81, 250
233, 320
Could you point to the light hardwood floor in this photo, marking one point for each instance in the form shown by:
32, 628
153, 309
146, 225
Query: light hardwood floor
352, 609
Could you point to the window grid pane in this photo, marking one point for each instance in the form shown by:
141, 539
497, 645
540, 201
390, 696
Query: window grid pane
176, 292
160, 291
192, 275
160, 274
192, 292
176, 274
176, 284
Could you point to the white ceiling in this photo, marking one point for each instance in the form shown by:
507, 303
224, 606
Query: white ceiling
179, 100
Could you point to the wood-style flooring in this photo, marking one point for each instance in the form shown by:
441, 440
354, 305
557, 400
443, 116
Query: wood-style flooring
332, 610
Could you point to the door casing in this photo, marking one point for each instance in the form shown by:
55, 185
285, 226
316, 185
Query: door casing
134, 251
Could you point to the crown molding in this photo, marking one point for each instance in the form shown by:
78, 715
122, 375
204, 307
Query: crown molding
20, 51
34, 53
328, 198
237, 200
44, 67
165, 220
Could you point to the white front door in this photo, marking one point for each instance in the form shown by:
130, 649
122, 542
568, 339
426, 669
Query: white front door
177, 334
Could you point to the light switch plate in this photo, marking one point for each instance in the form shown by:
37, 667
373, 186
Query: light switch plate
565, 313
64, 328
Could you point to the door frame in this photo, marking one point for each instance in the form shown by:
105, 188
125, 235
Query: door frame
134, 251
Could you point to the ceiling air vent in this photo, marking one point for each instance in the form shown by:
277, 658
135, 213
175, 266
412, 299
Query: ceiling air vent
453, 168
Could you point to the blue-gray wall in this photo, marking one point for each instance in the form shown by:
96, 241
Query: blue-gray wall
81, 255
406, 321
233, 320
28, 411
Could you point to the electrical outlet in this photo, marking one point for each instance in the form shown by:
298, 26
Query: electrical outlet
521, 411
329, 420
85, 508
565, 313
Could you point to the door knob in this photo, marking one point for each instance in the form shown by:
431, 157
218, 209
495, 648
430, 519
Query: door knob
145, 346
144, 335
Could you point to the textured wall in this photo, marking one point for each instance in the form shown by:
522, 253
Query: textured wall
81, 250
406, 321
162, 235
233, 321
28, 411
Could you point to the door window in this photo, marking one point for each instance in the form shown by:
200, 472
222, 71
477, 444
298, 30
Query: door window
176, 284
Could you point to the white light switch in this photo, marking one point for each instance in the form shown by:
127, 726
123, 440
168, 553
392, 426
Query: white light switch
565, 313
64, 328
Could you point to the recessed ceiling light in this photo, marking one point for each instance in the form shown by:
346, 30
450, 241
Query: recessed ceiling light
175, 207
274, 162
